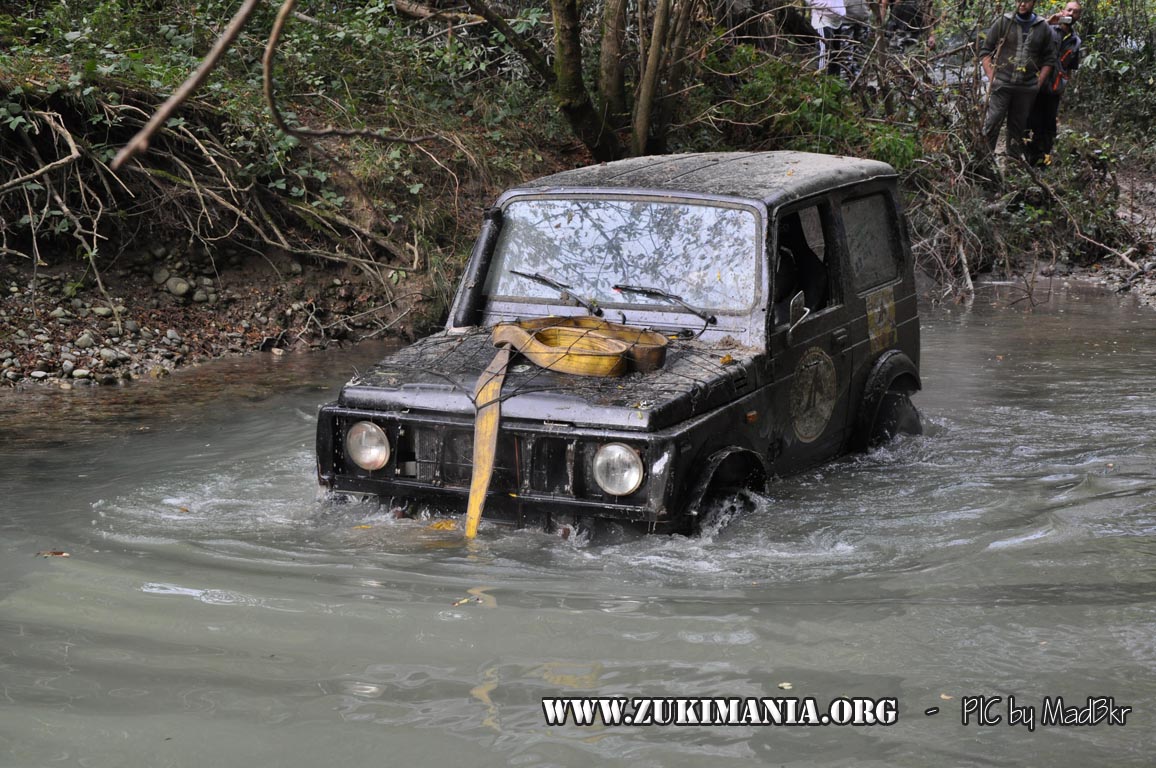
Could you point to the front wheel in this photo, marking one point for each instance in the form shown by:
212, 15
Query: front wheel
718, 508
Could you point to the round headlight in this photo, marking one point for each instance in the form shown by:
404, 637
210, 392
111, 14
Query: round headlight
617, 469
367, 445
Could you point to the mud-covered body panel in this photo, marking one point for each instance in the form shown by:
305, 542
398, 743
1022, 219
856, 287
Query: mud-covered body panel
438, 374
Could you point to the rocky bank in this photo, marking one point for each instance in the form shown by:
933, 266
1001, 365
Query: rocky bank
163, 308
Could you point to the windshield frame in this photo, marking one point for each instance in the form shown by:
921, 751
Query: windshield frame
637, 302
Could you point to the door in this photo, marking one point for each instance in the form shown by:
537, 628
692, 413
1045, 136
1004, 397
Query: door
811, 363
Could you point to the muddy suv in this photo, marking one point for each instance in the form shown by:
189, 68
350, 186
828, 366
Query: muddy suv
772, 299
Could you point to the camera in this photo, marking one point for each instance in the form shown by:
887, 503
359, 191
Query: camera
1065, 19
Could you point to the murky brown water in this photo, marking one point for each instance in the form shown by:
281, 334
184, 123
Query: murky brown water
214, 612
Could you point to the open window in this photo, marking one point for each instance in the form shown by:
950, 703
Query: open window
803, 253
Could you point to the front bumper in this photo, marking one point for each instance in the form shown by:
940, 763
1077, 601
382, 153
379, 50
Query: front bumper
542, 473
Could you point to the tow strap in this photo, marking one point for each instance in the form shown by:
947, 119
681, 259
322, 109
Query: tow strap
582, 346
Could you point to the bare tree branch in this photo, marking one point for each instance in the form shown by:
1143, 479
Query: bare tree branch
1122, 255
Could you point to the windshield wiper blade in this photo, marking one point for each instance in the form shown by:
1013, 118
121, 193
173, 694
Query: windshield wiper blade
564, 290
661, 294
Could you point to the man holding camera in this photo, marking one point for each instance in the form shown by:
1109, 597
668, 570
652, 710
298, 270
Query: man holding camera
1042, 120
1018, 55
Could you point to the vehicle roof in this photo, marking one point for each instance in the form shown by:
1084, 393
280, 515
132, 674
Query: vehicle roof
774, 178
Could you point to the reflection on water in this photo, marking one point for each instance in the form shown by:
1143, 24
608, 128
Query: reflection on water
215, 611
45, 415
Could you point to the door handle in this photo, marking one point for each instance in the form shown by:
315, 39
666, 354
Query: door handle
839, 337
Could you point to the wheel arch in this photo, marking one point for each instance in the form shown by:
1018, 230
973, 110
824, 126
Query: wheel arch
732, 467
893, 371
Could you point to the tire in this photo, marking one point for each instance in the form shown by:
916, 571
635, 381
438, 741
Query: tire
897, 415
718, 508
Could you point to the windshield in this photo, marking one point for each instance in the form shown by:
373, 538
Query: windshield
706, 254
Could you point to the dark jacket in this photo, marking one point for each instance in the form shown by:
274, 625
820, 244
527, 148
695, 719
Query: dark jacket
1017, 58
1068, 53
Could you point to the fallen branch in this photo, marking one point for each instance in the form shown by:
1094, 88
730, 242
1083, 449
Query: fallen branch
1124, 258
967, 284
309, 19
390, 324
419, 11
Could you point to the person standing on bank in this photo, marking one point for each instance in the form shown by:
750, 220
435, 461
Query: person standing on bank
1045, 110
1017, 55
826, 18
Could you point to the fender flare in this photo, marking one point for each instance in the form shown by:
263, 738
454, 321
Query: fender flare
707, 476
891, 368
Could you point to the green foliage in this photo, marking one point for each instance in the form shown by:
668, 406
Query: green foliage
759, 101
892, 145
1084, 195
1117, 89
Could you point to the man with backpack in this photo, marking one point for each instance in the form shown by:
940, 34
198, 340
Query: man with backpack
1018, 55
1045, 110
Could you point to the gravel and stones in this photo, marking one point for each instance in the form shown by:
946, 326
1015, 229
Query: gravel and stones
166, 308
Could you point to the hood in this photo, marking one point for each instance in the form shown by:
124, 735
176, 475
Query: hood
438, 374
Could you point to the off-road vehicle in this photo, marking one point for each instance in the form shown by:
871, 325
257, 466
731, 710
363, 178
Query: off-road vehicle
632, 339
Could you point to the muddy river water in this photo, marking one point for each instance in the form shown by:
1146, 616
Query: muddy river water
214, 611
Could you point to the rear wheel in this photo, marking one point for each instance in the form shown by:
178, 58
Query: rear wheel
897, 415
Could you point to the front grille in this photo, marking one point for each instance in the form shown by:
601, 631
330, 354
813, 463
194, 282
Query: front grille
444, 456
458, 458
441, 456
551, 467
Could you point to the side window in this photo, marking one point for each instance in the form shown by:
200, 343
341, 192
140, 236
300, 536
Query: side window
804, 260
872, 240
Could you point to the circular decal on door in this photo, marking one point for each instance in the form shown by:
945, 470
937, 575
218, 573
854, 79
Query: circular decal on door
813, 394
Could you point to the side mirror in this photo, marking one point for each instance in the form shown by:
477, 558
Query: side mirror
798, 313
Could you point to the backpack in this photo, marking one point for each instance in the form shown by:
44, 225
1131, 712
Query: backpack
857, 10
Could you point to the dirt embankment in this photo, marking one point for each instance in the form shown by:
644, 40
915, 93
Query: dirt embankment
166, 307
1138, 207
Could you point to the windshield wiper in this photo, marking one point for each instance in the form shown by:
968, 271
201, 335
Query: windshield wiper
661, 294
564, 290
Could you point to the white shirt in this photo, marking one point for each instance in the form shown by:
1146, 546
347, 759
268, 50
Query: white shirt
827, 13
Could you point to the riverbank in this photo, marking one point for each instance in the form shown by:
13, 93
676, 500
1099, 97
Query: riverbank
1137, 208
1134, 270
163, 308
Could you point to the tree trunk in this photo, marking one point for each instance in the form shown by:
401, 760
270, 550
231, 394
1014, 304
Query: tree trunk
648, 85
612, 69
570, 89
676, 71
